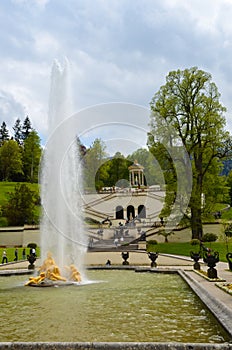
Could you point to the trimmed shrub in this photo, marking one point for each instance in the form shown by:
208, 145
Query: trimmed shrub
228, 233
152, 241
91, 221
209, 237
195, 242
32, 245
3, 222
228, 230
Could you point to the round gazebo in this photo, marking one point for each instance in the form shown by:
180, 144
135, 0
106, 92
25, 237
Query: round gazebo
136, 175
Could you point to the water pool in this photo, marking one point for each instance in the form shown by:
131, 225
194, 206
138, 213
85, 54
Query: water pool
115, 306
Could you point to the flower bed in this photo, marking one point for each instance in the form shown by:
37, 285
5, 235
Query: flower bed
226, 287
203, 273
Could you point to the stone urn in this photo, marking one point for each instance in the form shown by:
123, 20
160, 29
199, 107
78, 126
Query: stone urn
31, 259
196, 257
229, 259
153, 256
125, 256
211, 258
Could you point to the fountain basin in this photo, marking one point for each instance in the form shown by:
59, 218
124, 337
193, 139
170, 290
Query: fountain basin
110, 306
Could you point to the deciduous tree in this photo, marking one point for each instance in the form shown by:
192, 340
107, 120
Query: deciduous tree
189, 103
10, 161
114, 171
152, 171
31, 157
93, 160
20, 207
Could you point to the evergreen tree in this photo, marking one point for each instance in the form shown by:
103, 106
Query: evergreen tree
18, 131
26, 128
4, 133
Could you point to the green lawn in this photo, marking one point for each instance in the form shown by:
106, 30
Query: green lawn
167, 248
11, 253
5, 187
186, 248
227, 214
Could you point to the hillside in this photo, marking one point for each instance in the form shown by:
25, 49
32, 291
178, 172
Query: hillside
8, 187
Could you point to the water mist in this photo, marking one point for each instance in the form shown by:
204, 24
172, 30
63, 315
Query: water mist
61, 222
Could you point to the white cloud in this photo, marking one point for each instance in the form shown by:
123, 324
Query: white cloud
119, 51
45, 42
40, 3
28, 84
10, 109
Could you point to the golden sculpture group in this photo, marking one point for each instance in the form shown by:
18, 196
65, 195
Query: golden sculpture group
49, 271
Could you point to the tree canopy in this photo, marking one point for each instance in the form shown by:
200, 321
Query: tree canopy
20, 208
20, 154
152, 171
189, 104
31, 157
10, 161
92, 161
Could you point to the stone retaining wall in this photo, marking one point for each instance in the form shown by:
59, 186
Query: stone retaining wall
218, 309
113, 346
19, 237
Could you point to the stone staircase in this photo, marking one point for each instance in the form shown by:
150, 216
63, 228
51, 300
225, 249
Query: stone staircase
109, 245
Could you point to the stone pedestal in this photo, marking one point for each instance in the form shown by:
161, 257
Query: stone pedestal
142, 245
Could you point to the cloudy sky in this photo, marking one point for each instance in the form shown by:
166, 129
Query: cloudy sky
119, 51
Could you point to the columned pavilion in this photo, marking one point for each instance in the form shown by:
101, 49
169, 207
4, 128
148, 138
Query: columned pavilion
136, 175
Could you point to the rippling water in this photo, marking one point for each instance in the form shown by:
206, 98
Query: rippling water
115, 306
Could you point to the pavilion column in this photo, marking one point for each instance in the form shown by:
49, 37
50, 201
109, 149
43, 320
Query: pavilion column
136, 175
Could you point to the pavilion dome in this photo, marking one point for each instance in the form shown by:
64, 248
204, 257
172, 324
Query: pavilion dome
136, 166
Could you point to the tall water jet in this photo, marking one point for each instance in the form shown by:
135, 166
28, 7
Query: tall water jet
61, 220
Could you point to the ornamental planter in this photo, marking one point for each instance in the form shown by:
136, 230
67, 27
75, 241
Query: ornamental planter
31, 259
229, 259
211, 258
153, 256
196, 256
125, 256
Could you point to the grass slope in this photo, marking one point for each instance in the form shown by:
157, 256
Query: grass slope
8, 187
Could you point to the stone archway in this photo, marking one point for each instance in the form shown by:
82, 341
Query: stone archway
119, 212
130, 212
142, 211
